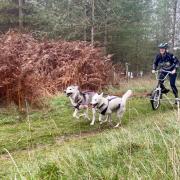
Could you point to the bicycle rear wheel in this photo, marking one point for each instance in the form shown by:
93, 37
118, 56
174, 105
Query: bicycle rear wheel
155, 99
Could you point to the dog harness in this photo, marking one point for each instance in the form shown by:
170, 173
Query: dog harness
103, 112
82, 99
79, 100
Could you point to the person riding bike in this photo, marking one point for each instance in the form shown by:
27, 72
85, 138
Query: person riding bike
168, 62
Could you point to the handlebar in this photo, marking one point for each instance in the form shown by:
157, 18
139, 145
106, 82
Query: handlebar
159, 71
162, 70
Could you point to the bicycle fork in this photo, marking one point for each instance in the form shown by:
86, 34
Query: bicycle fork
158, 94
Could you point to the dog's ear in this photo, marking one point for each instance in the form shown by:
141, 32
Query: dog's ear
101, 94
96, 94
76, 87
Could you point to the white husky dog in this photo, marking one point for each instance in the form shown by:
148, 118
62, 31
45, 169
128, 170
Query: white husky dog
110, 104
80, 100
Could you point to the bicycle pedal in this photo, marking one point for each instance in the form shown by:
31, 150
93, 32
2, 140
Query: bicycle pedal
165, 91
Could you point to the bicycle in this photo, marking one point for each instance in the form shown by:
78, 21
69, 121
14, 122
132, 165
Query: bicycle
156, 94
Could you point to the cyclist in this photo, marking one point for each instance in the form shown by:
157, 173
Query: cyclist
167, 62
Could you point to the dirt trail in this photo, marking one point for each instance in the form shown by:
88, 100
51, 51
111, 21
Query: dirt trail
59, 140
80, 135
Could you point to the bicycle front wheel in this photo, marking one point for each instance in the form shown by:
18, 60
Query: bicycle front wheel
155, 99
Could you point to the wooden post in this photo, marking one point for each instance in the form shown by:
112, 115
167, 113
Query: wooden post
127, 70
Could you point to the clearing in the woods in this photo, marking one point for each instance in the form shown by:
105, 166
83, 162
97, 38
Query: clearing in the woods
50, 144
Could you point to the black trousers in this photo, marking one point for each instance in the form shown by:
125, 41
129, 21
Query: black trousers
172, 79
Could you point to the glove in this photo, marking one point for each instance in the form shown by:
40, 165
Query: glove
173, 71
153, 71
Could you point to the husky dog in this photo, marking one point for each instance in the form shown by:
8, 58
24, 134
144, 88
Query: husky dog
110, 104
80, 100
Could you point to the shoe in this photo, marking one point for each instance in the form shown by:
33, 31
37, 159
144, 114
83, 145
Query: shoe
165, 91
177, 100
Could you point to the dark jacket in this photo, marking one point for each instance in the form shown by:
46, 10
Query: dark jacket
167, 61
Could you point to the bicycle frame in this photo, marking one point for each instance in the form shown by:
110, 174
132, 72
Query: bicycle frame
157, 73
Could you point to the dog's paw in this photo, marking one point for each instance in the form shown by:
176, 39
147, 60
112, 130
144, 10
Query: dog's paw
88, 118
102, 122
117, 125
77, 117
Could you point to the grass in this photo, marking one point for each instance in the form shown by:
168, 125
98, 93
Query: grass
141, 85
53, 145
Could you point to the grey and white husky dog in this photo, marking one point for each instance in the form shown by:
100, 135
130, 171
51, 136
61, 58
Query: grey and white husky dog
81, 100
110, 104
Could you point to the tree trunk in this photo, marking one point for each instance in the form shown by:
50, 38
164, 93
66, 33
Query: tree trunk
174, 22
92, 26
105, 37
106, 27
85, 22
20, 14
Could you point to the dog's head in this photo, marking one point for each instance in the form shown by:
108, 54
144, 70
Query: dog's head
71, 90
96, 99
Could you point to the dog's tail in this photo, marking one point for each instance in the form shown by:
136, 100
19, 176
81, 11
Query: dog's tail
126, 96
